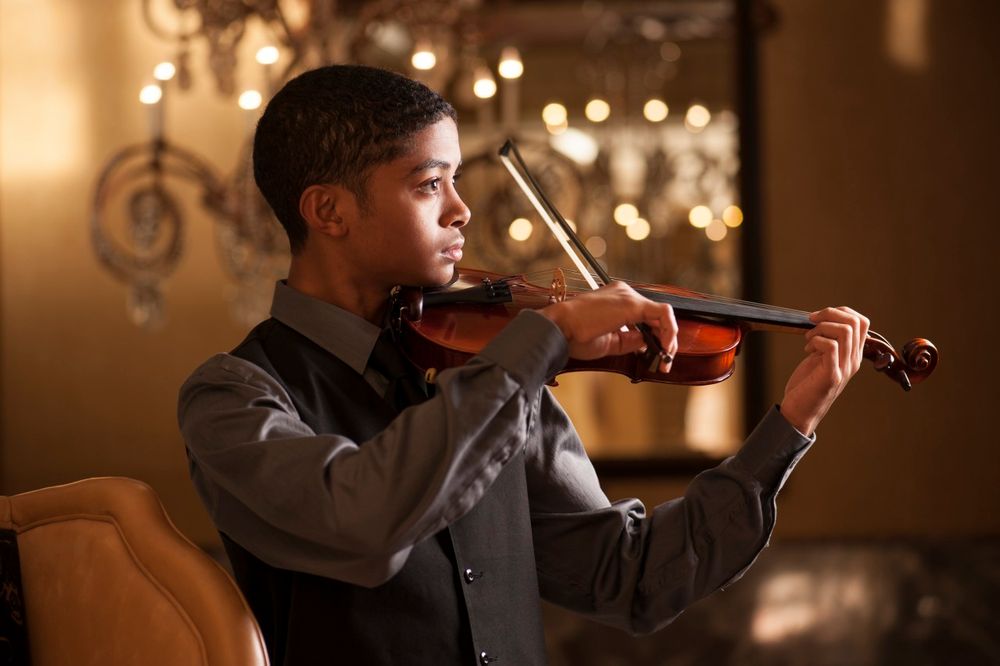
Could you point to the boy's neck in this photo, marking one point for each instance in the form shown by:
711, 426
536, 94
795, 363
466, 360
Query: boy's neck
357, 297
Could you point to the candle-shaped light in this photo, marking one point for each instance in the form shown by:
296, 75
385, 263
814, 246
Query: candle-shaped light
597, 110
250, 101
423, 56
155, 97
697, 118
267, 56
151, 96
510, 66
638, 230
484, 86
555, 117
164, 71
655, 110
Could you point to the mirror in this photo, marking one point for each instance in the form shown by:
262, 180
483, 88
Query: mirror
627, 115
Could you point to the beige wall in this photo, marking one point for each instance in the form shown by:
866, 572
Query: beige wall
879, 191
85, 392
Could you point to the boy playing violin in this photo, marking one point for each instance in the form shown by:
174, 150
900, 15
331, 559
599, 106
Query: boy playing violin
367, 523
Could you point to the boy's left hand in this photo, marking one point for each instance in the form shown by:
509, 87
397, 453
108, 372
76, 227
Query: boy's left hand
834, 349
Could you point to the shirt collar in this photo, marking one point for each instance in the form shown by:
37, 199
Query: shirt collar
344, 334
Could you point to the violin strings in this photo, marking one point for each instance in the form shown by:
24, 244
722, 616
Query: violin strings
577, 283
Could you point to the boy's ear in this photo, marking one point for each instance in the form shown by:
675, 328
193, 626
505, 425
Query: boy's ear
325, 209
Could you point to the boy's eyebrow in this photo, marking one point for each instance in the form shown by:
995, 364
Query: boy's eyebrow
432, 163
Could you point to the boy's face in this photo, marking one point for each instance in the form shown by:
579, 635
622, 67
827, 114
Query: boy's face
411, 232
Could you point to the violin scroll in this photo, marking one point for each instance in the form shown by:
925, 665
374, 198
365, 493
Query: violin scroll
913, 364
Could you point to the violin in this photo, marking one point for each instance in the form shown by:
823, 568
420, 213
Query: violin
445, 327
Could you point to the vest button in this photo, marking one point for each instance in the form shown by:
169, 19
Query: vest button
486, 659
470, 576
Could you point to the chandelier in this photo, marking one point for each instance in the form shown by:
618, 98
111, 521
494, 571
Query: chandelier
138, 220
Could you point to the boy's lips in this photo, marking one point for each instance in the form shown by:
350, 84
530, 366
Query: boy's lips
454, 252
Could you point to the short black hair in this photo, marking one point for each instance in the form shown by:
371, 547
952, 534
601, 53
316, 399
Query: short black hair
335, 124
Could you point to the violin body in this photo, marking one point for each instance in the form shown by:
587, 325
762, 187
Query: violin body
445, 327
447, 334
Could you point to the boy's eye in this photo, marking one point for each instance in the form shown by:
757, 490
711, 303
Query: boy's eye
432, 185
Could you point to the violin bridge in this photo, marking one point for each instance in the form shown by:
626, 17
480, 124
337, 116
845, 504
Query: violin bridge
558, 287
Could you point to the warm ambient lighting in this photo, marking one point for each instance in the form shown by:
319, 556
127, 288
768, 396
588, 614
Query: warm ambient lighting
423, 58
164, 71
597, 110
732, 216
697, 118
267, 55
716, 230
638, 230
556, 130
700, 216
484, 87
150, 94
554, 114
670, 52
250, 100
597, 246
520, 229
576, 145
655, 110
625, 214
510, 66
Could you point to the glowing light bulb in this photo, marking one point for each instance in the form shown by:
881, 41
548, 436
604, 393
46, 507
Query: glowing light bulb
150, 94
250, 100
268, 55
520, 229
554, 114
423, 57
716, 230
484, 86
697, 118
638, 230
732, 216
164, 71
655, 110
597, 110
510, 66
625, 214
700, 216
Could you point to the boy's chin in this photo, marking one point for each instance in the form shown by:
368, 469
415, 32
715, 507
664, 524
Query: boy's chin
443, 277
438, 278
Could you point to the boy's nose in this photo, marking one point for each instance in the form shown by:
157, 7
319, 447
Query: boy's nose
458, 214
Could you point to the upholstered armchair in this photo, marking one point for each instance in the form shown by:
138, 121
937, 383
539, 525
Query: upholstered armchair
108, 580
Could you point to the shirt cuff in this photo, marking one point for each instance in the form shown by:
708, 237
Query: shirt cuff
773, 449
531, 348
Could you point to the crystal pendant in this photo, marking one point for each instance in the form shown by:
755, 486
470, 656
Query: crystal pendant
145, 305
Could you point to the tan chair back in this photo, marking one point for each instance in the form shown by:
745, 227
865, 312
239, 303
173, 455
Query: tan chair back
108, 580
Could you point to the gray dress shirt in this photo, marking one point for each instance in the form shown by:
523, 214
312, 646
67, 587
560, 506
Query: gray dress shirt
352, 511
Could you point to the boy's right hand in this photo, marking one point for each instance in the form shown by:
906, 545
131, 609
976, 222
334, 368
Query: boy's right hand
592, 322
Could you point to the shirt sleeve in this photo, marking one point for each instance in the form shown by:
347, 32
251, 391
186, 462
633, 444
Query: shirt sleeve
638, 571
350, 510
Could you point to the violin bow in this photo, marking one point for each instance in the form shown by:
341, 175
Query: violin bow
654, 353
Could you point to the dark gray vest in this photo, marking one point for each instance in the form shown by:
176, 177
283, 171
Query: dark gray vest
468, 595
